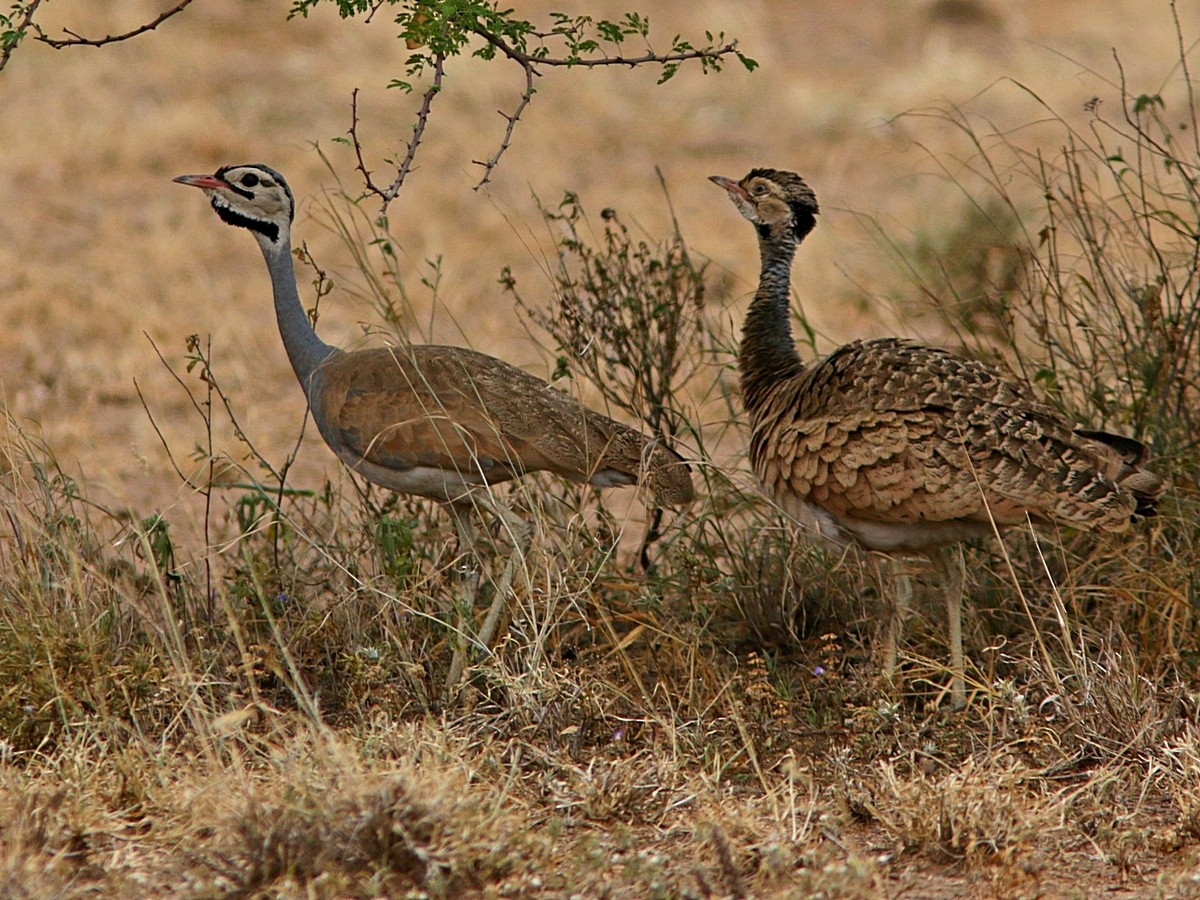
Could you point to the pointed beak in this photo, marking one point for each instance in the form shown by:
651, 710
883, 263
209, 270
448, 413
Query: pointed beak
730, 185
208, 182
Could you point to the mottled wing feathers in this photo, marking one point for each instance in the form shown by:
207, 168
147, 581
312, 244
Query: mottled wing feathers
894, 374
891, 432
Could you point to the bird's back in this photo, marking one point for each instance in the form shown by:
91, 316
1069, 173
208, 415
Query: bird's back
433, 420
897, 446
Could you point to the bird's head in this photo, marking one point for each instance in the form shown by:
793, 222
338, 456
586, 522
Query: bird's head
773, 200
250, 196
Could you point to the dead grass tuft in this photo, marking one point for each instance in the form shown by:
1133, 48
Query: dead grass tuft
980, 814
359, 836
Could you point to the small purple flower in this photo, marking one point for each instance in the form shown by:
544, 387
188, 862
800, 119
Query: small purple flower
819, 671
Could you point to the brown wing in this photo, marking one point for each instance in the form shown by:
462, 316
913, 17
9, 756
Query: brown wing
453, 409
378, 406
889, 431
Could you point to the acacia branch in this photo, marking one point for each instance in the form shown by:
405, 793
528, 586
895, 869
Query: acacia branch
76, 40
707, 54
17, 32
531, 62
388, 194
504, 36
513, 118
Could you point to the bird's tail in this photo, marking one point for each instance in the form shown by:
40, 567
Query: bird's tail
1128, 456
667, 475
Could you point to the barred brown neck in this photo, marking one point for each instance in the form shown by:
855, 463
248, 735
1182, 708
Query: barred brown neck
767, 354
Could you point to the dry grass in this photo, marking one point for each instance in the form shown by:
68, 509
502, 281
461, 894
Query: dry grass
209, 689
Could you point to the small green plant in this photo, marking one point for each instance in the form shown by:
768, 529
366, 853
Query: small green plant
395, 538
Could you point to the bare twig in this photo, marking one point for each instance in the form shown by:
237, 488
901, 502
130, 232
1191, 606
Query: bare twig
1188, 83
375, 7
513, 118
158, 431
388, 194
76, 40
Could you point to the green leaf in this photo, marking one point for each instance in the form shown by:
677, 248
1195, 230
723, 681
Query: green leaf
1145, 101
750, 64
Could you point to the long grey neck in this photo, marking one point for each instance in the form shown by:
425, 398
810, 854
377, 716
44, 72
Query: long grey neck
305, 350
768, 354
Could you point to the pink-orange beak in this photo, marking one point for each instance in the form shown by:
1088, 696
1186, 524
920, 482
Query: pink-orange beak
209, 182
730, 185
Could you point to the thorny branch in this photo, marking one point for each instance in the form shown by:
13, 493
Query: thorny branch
513, 118
76, 40
388, 194
530, 59
530, 63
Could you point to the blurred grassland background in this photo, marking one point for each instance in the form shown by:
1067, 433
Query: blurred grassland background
200, 699
100, 247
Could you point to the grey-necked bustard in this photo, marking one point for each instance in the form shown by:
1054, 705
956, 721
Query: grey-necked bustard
904, 449
438, 422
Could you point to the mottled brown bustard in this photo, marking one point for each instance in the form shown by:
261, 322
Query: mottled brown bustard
439, 422
903, 449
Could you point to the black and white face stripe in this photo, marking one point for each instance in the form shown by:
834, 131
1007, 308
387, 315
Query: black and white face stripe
231, 216
246, 179
250, 196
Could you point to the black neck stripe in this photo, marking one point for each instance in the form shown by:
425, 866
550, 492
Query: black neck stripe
270, 229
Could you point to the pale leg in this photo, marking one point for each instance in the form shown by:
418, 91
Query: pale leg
516, 531
464, 601
519, 533
896, 588
953, 567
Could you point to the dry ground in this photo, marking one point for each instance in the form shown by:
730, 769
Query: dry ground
655, 752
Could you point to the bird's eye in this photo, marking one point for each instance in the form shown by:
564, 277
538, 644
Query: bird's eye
759, 189
249, 180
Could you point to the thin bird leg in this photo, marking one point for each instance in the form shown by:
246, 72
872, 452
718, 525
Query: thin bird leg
519, 533
895, 586
464, 602
953, 568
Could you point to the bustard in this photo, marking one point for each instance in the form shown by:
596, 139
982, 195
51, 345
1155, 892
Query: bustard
904, 449
438, 422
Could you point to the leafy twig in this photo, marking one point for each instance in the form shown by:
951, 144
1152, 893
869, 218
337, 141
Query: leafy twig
451, 28
531, 62
682, 53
